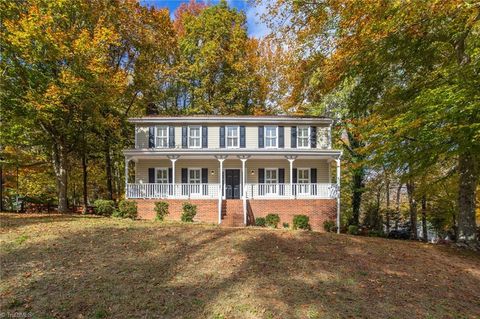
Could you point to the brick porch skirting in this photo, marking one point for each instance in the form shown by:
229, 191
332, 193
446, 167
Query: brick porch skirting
318, 210
207, 209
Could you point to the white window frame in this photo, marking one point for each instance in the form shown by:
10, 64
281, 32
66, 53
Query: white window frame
195, 188
271, 188
308, 136
199, 175
302, 186
265, 136
163, 137
237, 128
199, 136
156, 175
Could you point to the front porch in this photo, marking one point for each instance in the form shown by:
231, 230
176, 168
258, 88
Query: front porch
304, 181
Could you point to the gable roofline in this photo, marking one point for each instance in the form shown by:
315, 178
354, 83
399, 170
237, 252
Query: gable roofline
237, 119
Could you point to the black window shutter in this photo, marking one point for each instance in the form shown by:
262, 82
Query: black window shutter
294, 173
184, 136
222, 136
151, 137
204, 181
151, 175
281, 137
204, 175
281, 175
260, 137
294, 137
204, 137
170, 175
261, 175
184, 175
313, 175
313, 137
242, 136
171, 136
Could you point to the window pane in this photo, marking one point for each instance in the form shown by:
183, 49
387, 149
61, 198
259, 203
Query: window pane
194, 137
270, 136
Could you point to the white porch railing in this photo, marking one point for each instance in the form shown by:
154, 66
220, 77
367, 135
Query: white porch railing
285, 191
252, 191
156, 190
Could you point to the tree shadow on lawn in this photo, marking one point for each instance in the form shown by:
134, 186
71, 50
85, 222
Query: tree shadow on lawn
17, 220
181, 272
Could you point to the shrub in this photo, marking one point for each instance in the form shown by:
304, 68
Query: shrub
286, 225
353, 230
161, 208
301, 222
329, 225
272, 220
260, 221
127, 209
104, 207
189, 212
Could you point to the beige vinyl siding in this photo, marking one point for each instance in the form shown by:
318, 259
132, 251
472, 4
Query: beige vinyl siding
322, 166
251, 136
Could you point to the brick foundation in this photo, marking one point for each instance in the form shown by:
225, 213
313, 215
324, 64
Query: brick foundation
207, 209
319, 210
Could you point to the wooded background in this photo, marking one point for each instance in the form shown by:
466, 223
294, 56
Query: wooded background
401, 80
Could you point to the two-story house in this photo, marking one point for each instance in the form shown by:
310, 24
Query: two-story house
235, 168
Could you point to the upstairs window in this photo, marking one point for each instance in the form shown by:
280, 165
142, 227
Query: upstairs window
233, 137
303, 137
271, 136
161, 136
194, 137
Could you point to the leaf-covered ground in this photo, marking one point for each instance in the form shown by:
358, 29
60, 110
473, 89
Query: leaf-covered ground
88, 267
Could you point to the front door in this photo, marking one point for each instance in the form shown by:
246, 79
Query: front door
232, 183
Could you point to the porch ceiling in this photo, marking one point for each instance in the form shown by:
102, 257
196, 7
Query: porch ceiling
232, 154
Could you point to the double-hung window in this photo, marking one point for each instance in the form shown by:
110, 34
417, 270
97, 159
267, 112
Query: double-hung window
271, 134
162, 176
233, 137
194, 179
303, 137
303, 180
194, 137
271, 180
161, 136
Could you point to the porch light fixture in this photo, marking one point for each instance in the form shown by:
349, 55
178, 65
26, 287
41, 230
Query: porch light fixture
252, 172
212, 172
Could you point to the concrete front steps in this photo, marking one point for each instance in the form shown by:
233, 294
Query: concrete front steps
232, 213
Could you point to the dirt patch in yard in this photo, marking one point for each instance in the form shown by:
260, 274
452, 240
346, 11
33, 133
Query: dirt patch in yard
65, 266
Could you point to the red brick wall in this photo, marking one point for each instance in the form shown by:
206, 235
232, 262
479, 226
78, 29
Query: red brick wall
207, 209
318, 210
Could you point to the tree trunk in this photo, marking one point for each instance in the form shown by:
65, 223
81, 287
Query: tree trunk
60, 168
85, 189
387, 185
413, 208
466, 198
399, 189
424, 219
108, 168
357, 191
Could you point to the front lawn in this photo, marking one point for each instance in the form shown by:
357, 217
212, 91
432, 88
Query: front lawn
62, 266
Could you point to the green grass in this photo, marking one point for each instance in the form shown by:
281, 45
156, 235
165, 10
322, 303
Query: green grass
61, 266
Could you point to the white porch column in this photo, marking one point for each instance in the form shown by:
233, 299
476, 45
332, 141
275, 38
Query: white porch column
220, 158
291, 159
127, 160
173, 159
244, 158
338, 195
